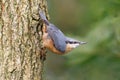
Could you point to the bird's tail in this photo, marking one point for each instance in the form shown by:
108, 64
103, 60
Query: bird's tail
43, 17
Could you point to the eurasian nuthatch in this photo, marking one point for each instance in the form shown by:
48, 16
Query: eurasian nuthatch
54, 39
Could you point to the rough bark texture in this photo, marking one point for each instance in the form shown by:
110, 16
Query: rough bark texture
20, 42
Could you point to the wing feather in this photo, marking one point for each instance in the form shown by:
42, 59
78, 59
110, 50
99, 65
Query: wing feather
57, 37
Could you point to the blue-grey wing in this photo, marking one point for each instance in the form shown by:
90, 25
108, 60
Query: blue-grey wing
57, 37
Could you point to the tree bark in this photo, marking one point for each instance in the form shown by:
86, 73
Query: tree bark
20, 40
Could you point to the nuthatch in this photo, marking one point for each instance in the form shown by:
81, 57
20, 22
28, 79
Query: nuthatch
54, 39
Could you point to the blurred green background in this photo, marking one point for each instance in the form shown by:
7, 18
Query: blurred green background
98, 23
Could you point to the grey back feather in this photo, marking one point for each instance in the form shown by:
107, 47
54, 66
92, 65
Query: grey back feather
57, 37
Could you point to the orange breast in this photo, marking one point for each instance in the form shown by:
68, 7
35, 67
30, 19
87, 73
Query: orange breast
48, 43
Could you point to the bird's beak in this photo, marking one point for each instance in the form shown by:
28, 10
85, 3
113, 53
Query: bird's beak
83, 42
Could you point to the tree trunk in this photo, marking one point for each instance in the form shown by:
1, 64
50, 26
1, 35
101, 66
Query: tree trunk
20, 42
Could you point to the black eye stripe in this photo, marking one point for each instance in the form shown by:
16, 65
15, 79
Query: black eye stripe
72, 42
